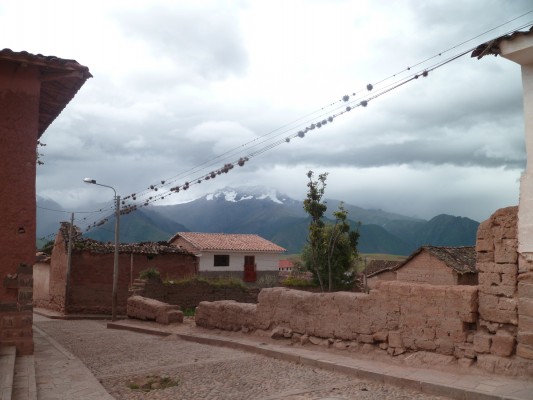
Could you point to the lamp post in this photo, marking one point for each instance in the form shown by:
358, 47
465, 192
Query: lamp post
115, 264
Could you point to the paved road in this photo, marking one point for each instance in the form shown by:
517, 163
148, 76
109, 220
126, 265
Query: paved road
117, 358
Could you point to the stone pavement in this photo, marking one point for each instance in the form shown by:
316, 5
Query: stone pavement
453, 384
59, 374
216, 367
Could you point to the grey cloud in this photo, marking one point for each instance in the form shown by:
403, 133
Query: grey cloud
203, 39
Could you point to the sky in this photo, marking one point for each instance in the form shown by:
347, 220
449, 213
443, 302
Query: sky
182, 87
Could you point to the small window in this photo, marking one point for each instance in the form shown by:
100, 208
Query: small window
221, 260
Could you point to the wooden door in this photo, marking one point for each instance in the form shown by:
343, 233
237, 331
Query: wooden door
250, 273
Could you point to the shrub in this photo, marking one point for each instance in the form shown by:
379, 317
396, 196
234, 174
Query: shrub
150, 273
292, 281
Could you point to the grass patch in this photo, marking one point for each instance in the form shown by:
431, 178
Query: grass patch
219, 282
189, 312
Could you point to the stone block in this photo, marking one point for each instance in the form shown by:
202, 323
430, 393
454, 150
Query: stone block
366, 338
485, 257
505, 251
525, 324
395, 339
445, 346
482, 342
524, 351
489, 278
507, 304
484, 244
502, 344
501, 316
381, 336
525, 307
525, 338
525, 289
498, 290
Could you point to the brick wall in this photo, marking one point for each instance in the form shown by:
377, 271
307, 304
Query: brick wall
91, 277
19, 105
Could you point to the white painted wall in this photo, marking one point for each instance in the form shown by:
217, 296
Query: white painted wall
264, 261
520, 50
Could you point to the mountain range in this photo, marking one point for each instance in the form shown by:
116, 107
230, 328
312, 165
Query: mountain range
275, 217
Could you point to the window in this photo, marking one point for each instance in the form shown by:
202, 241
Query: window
221, 260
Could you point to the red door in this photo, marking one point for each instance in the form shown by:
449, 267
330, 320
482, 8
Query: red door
250, 274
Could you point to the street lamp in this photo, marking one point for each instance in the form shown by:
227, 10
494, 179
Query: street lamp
115, 264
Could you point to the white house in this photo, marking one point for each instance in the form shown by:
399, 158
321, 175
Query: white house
222, 254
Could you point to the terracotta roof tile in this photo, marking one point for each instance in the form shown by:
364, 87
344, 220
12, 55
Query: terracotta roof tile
375, 267
228, 242
60, 81
460, 259
94, 246
493, 46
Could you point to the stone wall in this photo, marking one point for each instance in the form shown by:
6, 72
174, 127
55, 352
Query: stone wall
188, 294
497, 263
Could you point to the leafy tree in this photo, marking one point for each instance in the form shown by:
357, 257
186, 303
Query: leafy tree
332, 248
314, 206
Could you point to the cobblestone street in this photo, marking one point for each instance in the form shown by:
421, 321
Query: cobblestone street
116, 358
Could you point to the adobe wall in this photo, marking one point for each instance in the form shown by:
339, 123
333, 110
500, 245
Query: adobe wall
41, 283
426, 268
19, 105
439, 320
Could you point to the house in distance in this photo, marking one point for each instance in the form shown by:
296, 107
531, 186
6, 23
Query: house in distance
245, 256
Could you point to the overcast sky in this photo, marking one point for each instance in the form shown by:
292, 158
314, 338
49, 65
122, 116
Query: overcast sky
182, 84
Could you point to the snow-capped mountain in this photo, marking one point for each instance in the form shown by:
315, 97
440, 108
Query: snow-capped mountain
244, 193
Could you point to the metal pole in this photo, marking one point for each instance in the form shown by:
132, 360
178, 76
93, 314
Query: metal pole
115, 264
69, 260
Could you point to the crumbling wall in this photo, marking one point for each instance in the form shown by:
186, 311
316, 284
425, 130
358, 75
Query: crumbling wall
397, 316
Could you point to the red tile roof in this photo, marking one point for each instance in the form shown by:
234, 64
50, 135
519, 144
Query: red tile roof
60, 81
228, 242
286, 264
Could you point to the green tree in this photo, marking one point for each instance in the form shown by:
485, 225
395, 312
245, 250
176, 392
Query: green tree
332, 248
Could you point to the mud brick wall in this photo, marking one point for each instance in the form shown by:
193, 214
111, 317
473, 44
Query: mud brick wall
190, 293
401, 315
426, 268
